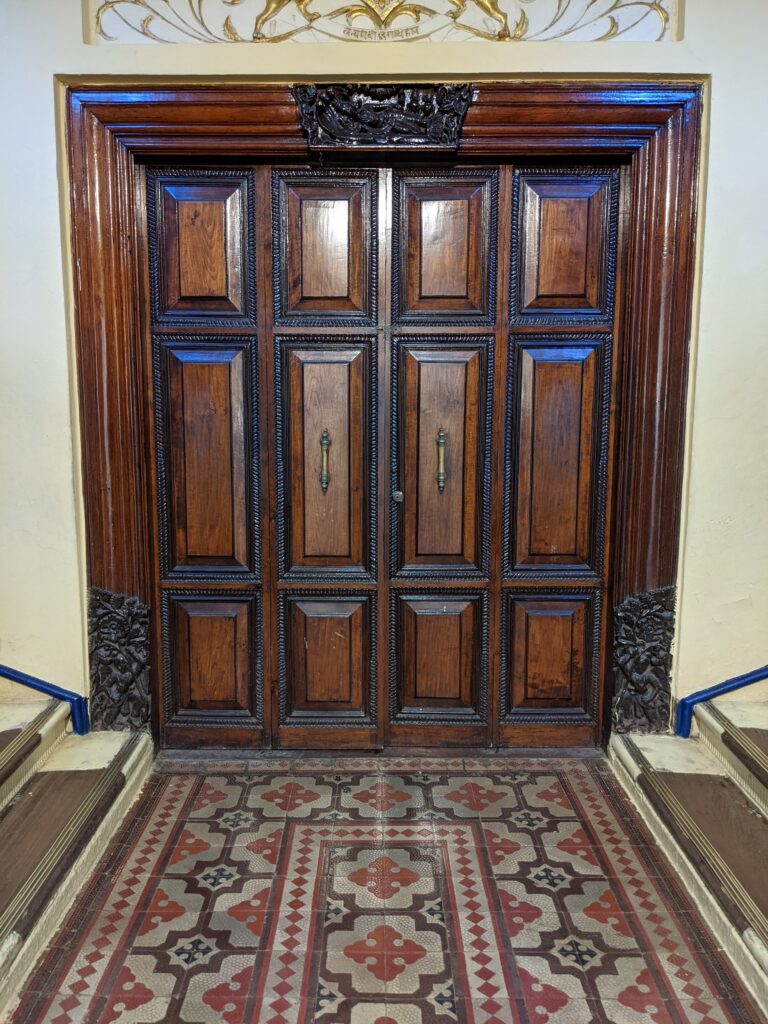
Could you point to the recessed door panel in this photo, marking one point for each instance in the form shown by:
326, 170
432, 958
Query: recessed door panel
327, 464
215, 668
208, 426
564, 244
324, 243
442, 455
548, 656
202, 232
445, 228
559, 456
325, 661
440, 669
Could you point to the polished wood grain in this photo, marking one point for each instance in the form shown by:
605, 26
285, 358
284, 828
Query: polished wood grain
326, 408
213, 654
650, 129
439, 655
547, 653
201, 241
556, 445
328, 658
564, 243
323, 245
443, 244
207, 450
443, 392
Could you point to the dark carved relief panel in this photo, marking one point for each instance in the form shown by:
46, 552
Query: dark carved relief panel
118, 649
376, 116
643, 630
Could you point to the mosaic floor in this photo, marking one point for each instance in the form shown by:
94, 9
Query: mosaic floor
384, 891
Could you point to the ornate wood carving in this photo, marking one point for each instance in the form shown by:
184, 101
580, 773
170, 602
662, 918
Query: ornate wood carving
643, 628
118, 647
364, 116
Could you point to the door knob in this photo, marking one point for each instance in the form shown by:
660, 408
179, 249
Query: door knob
397, 496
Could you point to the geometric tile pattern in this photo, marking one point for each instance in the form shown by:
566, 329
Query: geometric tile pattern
384, 891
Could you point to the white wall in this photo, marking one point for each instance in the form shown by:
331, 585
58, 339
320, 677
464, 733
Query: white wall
723, 618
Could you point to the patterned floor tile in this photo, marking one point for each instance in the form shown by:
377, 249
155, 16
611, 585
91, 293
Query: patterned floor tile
383, 891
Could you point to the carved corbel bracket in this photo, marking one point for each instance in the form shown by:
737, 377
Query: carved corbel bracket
118, 647
643, 629
382, 116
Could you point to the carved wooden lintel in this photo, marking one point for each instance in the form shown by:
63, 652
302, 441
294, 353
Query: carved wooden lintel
118, 646
376, 116
643, 629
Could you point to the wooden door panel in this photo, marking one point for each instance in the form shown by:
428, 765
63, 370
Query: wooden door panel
560, 439
201, 239
439, 667
549, 664
564, 245
209, 508
214, 664
324, 245
327, 470
441, 455
327, 673
444, 247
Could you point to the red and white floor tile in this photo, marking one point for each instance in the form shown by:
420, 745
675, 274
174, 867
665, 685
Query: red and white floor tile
384, 891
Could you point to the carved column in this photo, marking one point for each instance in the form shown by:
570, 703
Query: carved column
118, 647
643, 629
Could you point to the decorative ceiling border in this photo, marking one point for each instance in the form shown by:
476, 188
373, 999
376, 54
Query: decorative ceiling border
314, 21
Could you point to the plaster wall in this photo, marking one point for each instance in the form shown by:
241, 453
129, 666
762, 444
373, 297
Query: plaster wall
723, 606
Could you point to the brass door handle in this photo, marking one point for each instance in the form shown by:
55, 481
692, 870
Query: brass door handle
440, 441
325, 476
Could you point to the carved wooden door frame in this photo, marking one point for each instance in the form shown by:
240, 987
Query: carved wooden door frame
654, 127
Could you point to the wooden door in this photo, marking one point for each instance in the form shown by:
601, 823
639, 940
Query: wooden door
416, 551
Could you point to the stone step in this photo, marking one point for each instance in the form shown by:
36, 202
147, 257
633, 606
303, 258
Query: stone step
737, 734
53, 834
29, 731
714, 837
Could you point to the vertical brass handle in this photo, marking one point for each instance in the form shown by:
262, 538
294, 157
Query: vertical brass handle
440, 441
325, 476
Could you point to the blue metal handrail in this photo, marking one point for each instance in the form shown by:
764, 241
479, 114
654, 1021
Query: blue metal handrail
685, 706
77, 703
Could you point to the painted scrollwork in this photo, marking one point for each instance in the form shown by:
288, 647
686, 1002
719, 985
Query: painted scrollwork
382, 115
118, 645
272, 21
643, 629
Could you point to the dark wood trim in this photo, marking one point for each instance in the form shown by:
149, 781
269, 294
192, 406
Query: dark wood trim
652, 128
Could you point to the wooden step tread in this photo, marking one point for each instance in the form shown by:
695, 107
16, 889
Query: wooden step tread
52, 820
744, 728
21, 732
719, 829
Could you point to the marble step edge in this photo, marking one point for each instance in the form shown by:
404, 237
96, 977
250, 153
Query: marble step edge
740, 931
745, 762
19, 953
23, 756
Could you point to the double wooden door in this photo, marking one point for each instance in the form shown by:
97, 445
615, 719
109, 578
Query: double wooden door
383, 435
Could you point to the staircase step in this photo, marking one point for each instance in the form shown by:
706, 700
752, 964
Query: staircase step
737, 733
53, 834
716, 839
29, 730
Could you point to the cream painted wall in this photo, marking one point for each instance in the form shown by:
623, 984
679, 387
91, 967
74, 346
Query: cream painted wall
723, 619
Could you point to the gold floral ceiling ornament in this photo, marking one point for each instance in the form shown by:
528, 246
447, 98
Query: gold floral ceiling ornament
272, 21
